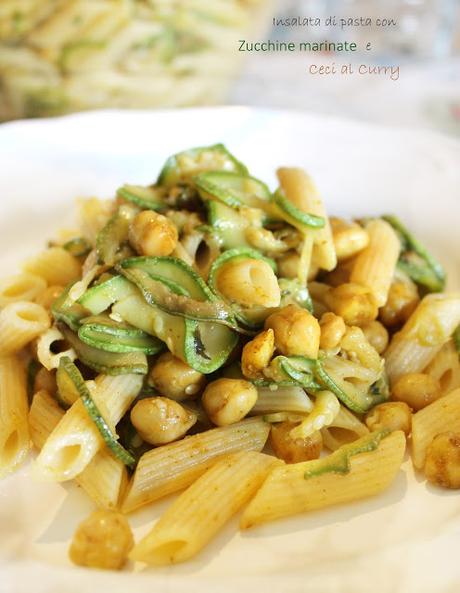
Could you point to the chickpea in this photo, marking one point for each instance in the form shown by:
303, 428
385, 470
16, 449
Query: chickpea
296, 331
176, 379
349, 238
377, 335
49, 295
103, 540
353, 302
249, 282
402, 301
151, 233
333, 329
46, 380
294, 450
416, 389
391, 416
160, 420
227, 401
442, 464
257, 354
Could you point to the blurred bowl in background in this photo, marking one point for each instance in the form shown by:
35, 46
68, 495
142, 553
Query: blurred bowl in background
60, 56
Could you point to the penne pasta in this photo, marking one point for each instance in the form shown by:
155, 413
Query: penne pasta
105, 477
173, 467
75, 440
301, 191
375, 266
442, 415
198, 514
46, 357
283, 399
20, 287
20, 323
344, 429
14, 430
445, 368
425, 332
363, 468
55, 265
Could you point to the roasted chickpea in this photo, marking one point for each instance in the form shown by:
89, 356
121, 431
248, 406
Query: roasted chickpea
390, 416
416, 389
103, 540
297, 332
402, 301
349, 238
46, 380
377, 335
160, 420
257, 354
294, 450
333, 329
175, 378
442, 464
249, 282
353, 302
151, 233
227, 401
49, 295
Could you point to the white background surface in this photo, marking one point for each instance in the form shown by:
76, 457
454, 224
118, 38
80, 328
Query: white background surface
401, 542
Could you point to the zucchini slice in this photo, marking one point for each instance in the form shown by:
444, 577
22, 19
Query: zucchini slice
70, 315
297, 218
75, 388
415, 260
99, 297
147, 198
233, 189
205, 346
292, 292
105, 334
77, 247
227, 224
111, 237
252, 317
109, 363
181, 167
297, 369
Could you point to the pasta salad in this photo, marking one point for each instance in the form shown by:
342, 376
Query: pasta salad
208, 336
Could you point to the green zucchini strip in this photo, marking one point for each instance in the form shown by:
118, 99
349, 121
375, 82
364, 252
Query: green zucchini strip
70, 315
292, 292
180, 167
294, 216
415, 260
456, 338
113, 235
109, 363
105, 334
233, 189
147, 198
76, 388
78, 246
101, 296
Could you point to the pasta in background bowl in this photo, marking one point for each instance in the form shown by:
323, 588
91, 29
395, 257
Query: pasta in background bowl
394, 522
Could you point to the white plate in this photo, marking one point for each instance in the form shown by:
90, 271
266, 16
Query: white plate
405, 540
